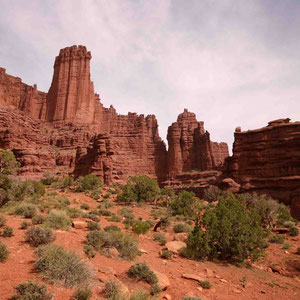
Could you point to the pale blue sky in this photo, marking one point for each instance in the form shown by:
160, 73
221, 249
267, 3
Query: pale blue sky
232, 62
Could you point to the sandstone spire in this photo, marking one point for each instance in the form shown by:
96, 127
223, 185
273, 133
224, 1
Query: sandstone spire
71, 96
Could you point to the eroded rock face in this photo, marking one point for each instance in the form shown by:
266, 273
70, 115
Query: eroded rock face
71, 97
14, 93
267, 160
80, 136
190, 147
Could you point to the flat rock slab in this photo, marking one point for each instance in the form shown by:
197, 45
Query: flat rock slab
163, 280
79, 224
175, 246
193, 277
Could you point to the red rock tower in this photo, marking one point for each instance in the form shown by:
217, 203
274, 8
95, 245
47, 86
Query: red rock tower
71, 96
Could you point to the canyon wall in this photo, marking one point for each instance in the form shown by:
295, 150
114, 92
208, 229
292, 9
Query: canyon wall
81, 136
16, 94
267, 160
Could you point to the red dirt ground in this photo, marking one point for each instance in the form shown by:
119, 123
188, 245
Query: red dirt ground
260, 281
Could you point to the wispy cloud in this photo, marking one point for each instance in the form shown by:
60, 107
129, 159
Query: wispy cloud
233, 63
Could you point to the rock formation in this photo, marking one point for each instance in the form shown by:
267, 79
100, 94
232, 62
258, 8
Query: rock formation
71, 97
190, 147
14, 93
70, 125
267, 160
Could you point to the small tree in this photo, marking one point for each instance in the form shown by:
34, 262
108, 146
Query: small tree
229, 231
8, 163
139, 189
184, 204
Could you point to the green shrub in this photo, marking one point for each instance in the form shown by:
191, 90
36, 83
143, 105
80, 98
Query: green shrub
67, 182
156, 289
126, 213
141, 227
112, 290
8, 163
93, 217
38, 219
151, 223
25, 224
126, 244
158, 213
58, 220
184, 204
205, 284
85, 206
284, 215
105, 212
277, 239
212, 194
48, 179
115, 218
51, 193
166, 254
107, 196
88, 183
89, 251
93, 226
95, 194
57, 265
26, 210
2, 221
31, 290
160, 237
112, 228
37, 235
106, 204
8, 231
142, 272
228, 231
286, 245
140, 295
265, 206
182, 228
294, 231
82, 293
4, 252
139, 189
74, 212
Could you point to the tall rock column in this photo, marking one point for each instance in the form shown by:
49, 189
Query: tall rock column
71, 96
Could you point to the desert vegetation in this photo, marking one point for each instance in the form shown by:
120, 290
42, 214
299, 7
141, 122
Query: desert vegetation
118, 222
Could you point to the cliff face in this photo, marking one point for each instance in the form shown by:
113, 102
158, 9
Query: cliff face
190, 147
14, 93
267, 160
71, 97
81, 136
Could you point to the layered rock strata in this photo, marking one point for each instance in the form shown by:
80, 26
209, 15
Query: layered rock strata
81, 136
190, 147
267, 160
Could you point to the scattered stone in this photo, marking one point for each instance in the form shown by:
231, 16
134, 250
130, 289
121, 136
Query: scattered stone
181, 237
167, 297
143, 251
223, 280
79, 224
209, 272
107, 270
175, 246
199, 288
112, 252
193, 277
163, 280
263, 292
237, 291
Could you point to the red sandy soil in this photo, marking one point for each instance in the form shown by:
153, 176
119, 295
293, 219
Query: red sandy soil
260, 281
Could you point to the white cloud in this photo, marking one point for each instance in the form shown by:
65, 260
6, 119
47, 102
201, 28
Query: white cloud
232, 63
